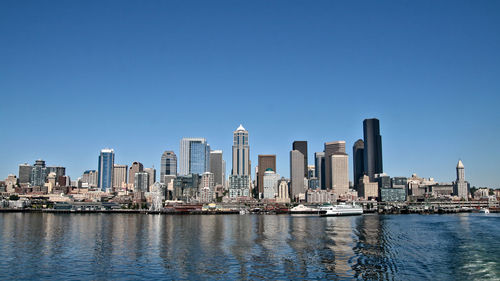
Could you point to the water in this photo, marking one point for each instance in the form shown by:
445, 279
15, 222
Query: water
248, 247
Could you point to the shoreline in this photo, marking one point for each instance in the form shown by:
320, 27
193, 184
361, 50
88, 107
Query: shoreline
212, 212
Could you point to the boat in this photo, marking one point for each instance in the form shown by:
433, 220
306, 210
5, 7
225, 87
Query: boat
484, 210
301, 209
341, 209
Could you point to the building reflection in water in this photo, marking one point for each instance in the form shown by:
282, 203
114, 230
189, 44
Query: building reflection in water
339, 231
371, 260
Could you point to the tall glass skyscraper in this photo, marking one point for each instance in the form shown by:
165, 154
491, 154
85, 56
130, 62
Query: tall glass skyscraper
106, 164
358, 161
373, 148
194, 156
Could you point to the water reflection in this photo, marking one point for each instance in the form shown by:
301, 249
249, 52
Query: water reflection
131, 247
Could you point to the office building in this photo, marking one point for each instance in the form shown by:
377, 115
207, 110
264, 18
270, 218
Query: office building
358, 162
90, 178
460, 187
186, 187
372, 148
194, 156
136, 167
119, 176
105, 169
25, 173
168, 165
270, 184
241, 152
239, 181
151, 175
39, 173
331, 148
217, 166
340, 174
141, 182
296, 174
302, 147
367, 189
319, 165
283, 192
265, 162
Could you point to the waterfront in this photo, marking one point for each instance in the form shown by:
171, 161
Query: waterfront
137, 246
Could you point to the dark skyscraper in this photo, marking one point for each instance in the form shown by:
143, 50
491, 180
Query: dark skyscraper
373, 148
358, 161
302, 147
319, 165
265, 162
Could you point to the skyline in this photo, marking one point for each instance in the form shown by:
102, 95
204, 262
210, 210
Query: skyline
254, 177
80, 77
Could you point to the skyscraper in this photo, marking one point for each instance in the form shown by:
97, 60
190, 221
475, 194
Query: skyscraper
302, 147
296, 173
168, 165
358, 162
460, 186
39, 173
340, 174
373, 148
265, 162
241, 152
194, 156
217, 166
239, 180
136, 167
331, 148
119, 176
106, 163
25, 173
141, 182
320, 168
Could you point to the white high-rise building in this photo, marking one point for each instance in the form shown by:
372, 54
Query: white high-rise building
270, 182
340, 174
194, 156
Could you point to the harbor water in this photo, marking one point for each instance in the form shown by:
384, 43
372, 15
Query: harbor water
48, 246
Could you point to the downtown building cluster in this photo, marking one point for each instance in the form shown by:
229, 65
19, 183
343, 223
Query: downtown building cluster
197, 175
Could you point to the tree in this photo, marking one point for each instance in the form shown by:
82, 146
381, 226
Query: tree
14, 197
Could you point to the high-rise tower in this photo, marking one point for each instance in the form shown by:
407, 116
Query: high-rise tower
194, 156
168, 165
331, 148
302, 147
358, 162
106, 165
241, 152
373, 148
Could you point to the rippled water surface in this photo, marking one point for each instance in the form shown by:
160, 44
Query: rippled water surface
134, 246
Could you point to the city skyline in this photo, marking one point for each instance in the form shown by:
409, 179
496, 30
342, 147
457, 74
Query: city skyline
254, 176
428, 72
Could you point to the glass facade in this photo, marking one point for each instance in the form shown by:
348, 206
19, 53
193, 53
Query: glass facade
106, 164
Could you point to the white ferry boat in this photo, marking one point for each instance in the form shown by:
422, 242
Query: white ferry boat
301, 209
341, 209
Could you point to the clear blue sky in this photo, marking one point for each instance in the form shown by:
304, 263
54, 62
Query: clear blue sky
137, 76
